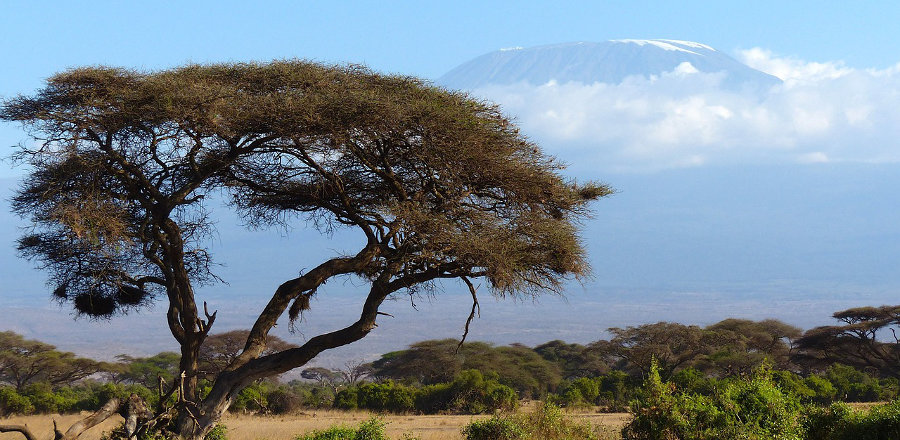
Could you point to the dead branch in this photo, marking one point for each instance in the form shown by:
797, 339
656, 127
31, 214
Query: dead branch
88, 422
206, 325
135, 412
18, 428
475, 308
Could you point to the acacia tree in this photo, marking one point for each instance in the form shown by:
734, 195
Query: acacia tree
24, 361
439, 185
867, 339
221, 349
670, 345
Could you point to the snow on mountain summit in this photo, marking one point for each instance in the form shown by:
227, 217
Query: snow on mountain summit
606, 62
676, 45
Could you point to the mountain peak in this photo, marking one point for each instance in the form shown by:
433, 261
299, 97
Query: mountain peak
604, 62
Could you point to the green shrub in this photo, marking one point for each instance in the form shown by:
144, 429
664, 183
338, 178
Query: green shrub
470, 393
495, 428
752, 408
12, 402
94, 396
852, 385
219, 432
45, 400
823, 390
546, 422
473, 393
251, 399
372, 429
346, 399
839, 422
283, 401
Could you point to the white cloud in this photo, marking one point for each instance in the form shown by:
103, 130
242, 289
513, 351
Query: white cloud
792, 70
824, 112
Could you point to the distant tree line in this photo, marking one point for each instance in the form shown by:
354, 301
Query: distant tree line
856, 360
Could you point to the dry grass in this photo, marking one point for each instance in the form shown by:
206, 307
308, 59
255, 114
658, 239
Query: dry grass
424, 427
251, 427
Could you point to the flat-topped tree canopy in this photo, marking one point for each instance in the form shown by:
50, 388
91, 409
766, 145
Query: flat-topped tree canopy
441, 185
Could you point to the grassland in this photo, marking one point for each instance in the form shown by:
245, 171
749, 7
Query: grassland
253, 427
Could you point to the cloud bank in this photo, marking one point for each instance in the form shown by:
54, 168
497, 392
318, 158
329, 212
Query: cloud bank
823, 112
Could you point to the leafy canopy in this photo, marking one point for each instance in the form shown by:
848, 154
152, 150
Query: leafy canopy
440, 184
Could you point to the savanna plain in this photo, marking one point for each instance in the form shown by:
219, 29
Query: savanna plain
285, 427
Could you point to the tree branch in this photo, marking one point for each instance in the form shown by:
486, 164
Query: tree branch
18, 428
287, 291
475, 307
107, 411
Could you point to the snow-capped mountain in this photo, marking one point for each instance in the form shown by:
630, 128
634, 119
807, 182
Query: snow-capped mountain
607, 62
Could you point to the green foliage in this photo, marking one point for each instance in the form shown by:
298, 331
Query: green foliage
470, 393
495, 428
545, 422
386, 396
251, 399
219, 432
437, 361
475, 393
97, 395
283, 401
852, 385
46, 401
146, 370
24, 362
574, 360
12, 402
611, 392
347, 399
753, 408
839, 422
382, 396
372, 429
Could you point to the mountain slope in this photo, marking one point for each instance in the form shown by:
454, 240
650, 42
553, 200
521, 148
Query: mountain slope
607, 62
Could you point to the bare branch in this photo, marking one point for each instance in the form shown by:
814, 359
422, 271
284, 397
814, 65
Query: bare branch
108, 410
475, 308
18, 428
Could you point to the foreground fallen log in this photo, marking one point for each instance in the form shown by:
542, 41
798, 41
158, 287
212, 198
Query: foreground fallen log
74, 431
18, 428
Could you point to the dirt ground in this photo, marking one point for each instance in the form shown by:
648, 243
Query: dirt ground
247, 427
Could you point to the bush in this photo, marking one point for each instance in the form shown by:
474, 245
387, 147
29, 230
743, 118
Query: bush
495, 428
470, 393
46, 401
372, 429
839, 422
251, 399
545, 422
753, 408
12, 402
852, 385
347, 399
283, 401
219, 432
386, 396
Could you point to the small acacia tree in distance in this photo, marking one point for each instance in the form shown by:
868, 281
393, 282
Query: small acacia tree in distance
441, 186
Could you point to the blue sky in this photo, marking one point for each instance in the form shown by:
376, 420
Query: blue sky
419, 38
675, 231
414, 37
